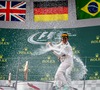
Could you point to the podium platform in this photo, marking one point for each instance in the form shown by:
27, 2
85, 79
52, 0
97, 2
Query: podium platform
36, 85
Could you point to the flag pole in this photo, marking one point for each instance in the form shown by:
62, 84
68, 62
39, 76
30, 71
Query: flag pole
17, 72
84, 76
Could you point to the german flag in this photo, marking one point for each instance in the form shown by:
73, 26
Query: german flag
45, 11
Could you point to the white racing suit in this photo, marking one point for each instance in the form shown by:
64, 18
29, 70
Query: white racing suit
65, 55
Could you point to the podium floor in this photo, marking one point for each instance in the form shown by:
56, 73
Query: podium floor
36, 85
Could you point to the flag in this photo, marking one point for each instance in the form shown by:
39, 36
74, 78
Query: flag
12, 11
50, 11
87, 9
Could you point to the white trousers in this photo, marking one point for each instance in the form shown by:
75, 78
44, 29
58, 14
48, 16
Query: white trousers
62, 76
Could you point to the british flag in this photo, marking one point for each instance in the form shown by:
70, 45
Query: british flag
12, 11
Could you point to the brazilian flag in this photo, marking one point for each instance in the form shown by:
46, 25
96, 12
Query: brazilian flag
86, 9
